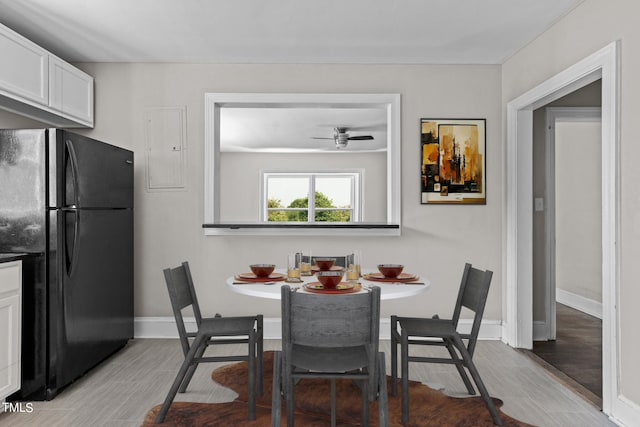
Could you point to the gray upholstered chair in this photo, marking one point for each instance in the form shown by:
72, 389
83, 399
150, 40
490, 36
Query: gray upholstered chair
211, 331
333, 337
473, 292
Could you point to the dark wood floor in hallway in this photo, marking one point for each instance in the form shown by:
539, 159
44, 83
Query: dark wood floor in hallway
576, 352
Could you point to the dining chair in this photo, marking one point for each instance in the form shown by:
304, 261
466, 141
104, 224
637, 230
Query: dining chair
332, 337
215, 330
473, 292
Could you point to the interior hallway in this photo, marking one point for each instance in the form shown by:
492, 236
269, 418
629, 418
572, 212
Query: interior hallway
575, 357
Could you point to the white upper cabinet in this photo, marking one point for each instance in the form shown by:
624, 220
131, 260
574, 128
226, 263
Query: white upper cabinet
70, 91
38, 84
25, 68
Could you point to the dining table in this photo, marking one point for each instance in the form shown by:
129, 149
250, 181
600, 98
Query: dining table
245, 284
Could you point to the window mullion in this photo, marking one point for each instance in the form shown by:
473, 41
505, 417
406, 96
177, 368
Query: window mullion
311, 213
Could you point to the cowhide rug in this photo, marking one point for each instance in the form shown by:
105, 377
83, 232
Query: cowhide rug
428, 407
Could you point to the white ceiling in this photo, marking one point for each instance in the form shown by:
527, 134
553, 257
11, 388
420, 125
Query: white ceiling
285, 130
284, 31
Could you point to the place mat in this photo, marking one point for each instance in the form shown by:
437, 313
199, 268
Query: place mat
341, 288
250, 277
379, 277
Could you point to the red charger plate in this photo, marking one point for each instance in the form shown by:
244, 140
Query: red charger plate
318, 288
402, 277
250, 277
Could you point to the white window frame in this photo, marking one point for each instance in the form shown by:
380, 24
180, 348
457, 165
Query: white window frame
356, 194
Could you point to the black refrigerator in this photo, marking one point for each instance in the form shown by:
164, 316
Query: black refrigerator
67, 201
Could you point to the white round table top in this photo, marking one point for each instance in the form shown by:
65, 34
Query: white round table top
271, 290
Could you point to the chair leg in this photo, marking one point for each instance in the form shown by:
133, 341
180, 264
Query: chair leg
289, 385
333, 402
457, 341
459, 367
252, 375
195, 347
404, 372
260, 355
364, 410
394, 356
276, 391
192, 370
383, 403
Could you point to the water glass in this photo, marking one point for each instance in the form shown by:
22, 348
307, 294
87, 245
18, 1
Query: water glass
353, 269
305, 262
293, 268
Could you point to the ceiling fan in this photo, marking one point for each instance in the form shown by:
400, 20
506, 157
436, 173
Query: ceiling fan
342, 138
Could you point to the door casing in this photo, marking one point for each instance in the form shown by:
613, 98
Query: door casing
518, 190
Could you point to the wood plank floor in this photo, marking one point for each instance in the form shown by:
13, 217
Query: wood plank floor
576, 352
119, 392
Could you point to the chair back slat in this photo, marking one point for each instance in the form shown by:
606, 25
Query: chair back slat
182, 295
330, 320
476, 289
473, 293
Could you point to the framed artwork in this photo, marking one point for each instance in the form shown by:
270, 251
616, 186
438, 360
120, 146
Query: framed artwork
452, 161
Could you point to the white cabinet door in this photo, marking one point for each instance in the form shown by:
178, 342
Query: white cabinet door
25, 68
10, 327
70, 91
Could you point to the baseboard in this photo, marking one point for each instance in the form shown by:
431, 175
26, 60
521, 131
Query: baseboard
578, 302
625, 412
540, 330
165, 327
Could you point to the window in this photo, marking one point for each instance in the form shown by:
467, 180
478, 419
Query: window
311, 197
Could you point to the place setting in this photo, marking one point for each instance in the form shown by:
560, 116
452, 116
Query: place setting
330, 276
393, 273
260, 274
330, 282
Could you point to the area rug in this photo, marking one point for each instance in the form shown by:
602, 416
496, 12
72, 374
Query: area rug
428, 407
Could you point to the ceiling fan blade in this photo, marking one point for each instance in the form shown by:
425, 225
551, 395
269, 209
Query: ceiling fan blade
318, 137
360, 138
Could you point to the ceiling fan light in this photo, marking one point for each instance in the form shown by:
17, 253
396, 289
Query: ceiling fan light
341, 143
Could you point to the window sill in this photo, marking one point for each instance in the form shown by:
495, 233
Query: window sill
255, 229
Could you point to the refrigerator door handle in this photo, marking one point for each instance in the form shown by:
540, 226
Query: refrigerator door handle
73, 166
73, 243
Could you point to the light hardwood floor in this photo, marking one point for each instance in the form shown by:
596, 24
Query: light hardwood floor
120, 391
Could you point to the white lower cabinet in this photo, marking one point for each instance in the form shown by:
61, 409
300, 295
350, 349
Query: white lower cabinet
10, 327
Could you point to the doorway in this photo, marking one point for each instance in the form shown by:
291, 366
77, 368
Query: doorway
567, 228
603, 65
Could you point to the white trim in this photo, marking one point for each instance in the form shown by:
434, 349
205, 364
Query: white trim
602, 64
553, 115
214, 101
627, 412
540, 329
165, 327
578, 302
